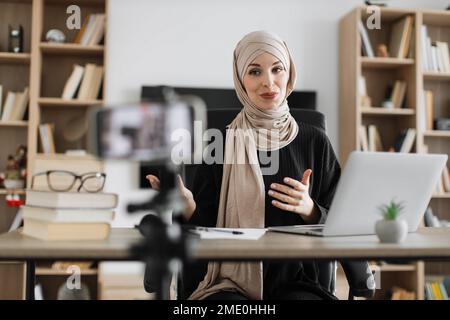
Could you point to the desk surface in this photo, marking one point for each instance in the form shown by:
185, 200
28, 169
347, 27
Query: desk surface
427, 243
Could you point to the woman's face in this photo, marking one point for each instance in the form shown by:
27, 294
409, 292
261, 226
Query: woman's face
265, 81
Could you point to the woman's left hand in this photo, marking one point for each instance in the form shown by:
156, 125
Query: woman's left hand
294, 196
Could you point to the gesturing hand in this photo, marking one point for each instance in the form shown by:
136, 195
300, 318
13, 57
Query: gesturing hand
188, 197
294, 196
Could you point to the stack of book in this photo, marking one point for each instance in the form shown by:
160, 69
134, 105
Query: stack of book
92, 31
15, 105
54, 216
435, 53
84, 82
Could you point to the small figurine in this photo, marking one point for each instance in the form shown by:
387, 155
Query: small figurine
382, 51
56, 36
15, 172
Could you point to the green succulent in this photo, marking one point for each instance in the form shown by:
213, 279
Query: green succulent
391, 211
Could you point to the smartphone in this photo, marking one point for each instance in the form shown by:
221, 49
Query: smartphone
152, 132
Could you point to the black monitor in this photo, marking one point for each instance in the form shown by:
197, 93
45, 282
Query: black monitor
227, 98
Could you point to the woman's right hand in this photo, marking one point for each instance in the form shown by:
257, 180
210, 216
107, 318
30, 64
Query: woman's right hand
186, 194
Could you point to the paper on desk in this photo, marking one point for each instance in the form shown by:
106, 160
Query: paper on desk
248, 233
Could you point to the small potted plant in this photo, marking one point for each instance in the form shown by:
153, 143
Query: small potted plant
391, 229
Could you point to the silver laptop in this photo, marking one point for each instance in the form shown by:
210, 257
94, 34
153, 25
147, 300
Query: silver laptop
371, 179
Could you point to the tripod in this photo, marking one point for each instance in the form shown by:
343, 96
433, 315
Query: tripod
164, 245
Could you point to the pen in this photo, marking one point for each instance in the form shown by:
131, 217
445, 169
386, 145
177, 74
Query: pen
218, 230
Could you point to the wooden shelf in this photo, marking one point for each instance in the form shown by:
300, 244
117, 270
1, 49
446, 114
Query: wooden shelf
436, 76
385, 63
388, 112
19, 58
436, 18
62, 156
394, 267
71, 48
441, 195
56, 272
437, 133
95, 3
13, 123
6, 191
58, 102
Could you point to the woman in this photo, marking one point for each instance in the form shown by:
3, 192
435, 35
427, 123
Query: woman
241, 195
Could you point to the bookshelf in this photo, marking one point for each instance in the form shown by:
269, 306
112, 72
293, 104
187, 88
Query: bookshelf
44, 67
380, 73
14, 76
438, 28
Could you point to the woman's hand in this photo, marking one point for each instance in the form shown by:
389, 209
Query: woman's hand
294, 197
186, 194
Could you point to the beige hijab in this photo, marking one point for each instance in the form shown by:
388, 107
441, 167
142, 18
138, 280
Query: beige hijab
242, 196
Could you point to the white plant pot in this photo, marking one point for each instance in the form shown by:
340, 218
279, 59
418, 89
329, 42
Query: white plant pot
391, 231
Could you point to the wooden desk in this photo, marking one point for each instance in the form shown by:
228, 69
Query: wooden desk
426, 244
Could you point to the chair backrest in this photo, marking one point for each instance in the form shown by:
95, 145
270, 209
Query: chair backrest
220, 118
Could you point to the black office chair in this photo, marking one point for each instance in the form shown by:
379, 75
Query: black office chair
359, 277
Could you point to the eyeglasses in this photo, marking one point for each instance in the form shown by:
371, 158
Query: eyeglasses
61, 180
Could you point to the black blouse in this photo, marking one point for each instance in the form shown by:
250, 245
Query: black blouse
311, 149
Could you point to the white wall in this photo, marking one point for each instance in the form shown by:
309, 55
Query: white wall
190, 43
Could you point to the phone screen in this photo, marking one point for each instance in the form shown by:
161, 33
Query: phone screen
148, 132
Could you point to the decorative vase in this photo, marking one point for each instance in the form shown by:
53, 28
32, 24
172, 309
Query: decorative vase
391, 231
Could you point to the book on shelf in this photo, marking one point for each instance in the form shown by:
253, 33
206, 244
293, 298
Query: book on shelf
375, 143
98, 30
435, 288
399, 42
54, 231
446, 179
46, 138
67, 215
74, 200
15, 105
20, 105
9, 106
365, 41
444, 55
439, 189
17, 222
435, 53
424, 48
405, 140
83, 28
398, 293
364, 142
73, 82
91, 82
430, 219
429, 111
92, 30
1, 100
398, 93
